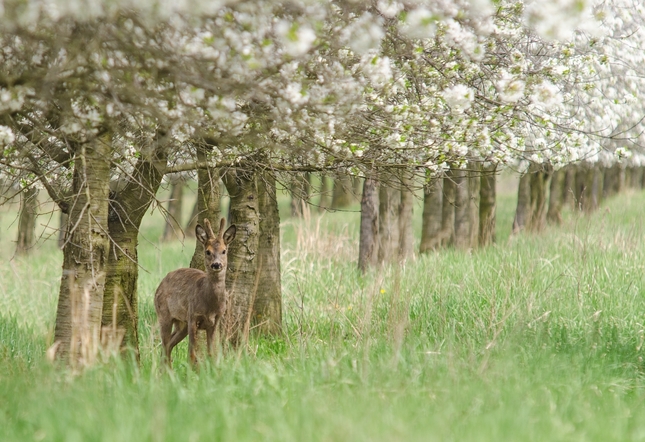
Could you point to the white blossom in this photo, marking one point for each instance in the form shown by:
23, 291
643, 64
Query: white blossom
459, 97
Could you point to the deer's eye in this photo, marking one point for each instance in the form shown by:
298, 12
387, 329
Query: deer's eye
208, 253
223, 252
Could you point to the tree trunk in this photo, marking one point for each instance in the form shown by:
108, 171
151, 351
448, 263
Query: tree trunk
474, 191
406, 208
487, 206
369, 234
569, 191
173, 229
325, 193
461, 238
80, 301
556, 197
448, 209
267, 308
242, 279
523, 208
207, 204
342, 195
596, 186
62, 229
588, 187
389, 234
129, 205
253, 279
539, 184
27, 220
432, 214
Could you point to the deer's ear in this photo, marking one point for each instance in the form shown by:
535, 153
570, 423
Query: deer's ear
229, 235
201, 234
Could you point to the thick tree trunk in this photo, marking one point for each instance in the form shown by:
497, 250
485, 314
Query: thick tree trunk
267, 305
369, 234
556, 197
173, 229
253, 278
207, 204
406, 208
342, 195
389, 233
127, 209
474, 191
487, 206
432, 215
85, 255
461, 238
62, 229
523, 208
27, 220
242, 278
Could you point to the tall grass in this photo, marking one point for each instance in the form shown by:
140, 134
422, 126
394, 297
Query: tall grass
539, 337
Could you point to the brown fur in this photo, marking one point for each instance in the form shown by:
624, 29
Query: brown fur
190, 299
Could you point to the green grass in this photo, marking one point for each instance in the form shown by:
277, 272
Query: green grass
539, 338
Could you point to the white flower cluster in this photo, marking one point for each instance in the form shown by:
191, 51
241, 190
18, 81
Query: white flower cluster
6, 136
459, 97
396, 82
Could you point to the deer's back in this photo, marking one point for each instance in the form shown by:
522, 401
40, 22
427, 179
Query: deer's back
177, 289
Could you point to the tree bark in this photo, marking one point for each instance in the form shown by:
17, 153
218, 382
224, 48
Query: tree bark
487, 206
588, 187
253, 279
474, 202
267, 308
569, 191
432, 214
389, 233
406, 209
523, 208
127, 208
80, 301
556, 198
448, 209
461, 236
539, 180
62, 229
27, 220
173, 229
369, 233
242, 279
207, 204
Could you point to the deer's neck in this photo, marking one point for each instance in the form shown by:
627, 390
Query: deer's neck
217, 281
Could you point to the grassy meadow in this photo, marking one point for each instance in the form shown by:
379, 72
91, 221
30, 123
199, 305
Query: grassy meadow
538, 338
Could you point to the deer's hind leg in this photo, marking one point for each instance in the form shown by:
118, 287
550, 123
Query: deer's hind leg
165, 329
181, 330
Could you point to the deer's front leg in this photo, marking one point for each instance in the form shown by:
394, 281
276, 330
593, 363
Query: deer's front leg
192, 340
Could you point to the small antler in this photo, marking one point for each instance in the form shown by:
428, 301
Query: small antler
222, 224
209, 229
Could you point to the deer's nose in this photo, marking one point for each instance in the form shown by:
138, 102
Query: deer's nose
216, 266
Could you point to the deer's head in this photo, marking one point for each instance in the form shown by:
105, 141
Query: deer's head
215, 246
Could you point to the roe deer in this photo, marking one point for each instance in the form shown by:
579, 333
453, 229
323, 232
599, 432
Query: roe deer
192, 299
